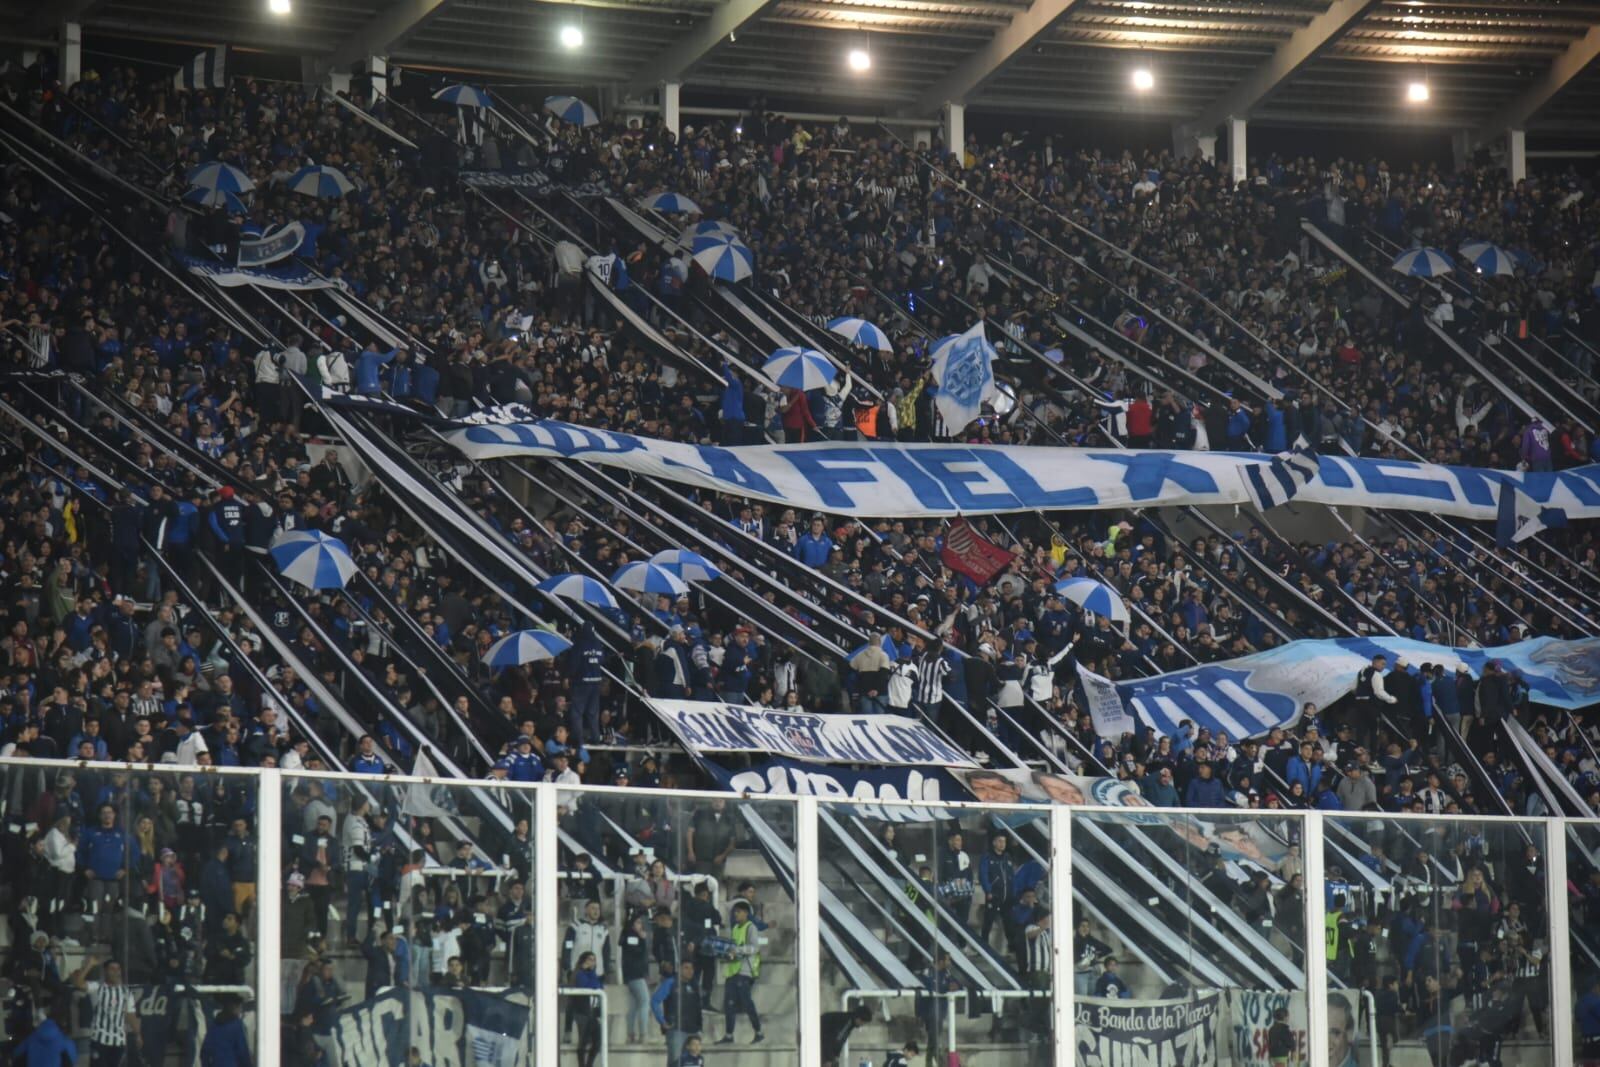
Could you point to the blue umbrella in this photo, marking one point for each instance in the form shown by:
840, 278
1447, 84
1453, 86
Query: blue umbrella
671, 204
1091, 595
578, 587
1489, 258
464, 96
571, 109
217, 198
313, 559
1423, 263
799, 368
525, 646
861, 332
324, 182
690, 566
726, 258
223, 176
707, 228
648, 578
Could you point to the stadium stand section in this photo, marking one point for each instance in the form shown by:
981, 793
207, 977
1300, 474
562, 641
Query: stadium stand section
241, 818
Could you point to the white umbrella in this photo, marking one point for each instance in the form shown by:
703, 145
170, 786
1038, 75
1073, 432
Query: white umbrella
1423, 263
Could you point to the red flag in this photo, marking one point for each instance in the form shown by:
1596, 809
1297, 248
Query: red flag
968, 552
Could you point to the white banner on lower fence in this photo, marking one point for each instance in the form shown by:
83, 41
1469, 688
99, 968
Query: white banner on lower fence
883, 479
1171, 1033
880, 740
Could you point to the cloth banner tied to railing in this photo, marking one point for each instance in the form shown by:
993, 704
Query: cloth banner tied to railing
881, 479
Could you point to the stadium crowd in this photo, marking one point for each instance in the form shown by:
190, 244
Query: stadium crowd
123, 648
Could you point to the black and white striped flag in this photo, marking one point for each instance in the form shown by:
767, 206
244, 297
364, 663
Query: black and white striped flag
1277, 482
204, 71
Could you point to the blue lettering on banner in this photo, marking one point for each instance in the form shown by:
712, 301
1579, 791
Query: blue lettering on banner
1381, 476
826, 480
942, 464
1477, 486
1148, 473
904, 467
1029, 491
1334, 472
724, 466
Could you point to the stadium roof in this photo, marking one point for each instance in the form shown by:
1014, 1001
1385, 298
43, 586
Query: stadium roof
1490, 64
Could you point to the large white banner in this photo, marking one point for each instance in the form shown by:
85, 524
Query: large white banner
882, 740
1111, 719
886, 479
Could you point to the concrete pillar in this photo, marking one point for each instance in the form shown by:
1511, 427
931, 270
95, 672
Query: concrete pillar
1238, 150
1517, 154
671, 107
1461, 149
955, 130
1187, 143
922, 136
337, 82
71, 54
378, 72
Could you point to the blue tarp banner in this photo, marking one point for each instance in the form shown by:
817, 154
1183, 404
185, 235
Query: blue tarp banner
1246, 697
882, 479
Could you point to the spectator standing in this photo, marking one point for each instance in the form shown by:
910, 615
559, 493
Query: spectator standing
113, 1013
740, 970
678, 1009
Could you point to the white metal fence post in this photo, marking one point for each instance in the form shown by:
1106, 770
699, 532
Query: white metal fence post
547, 926
1062, 1005
1316, 948
1560, 947
269, 916
808, 932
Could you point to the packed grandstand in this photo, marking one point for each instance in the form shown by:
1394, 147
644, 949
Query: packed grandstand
446, 468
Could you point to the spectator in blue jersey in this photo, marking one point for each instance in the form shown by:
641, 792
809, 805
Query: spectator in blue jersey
1204, 790
586, 669
226, 523
225, 1044
1109, 983
814, 546
105, 855
369, 367
367, 760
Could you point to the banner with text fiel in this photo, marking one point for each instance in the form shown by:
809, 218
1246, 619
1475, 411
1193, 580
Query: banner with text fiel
880, 740
1171, 1033
885, 479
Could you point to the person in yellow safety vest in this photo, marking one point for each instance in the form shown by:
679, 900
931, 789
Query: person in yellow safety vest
740, 970
1336, 936
1116, 531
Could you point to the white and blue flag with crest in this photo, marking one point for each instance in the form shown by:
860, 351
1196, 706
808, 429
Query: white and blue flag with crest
963, 368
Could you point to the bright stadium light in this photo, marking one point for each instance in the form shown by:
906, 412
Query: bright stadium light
1143, 79
1417, 92
278, 7
860, 59
571, 37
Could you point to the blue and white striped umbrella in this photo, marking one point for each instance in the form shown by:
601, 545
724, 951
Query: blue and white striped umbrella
799, 368
1423, 263
313, 559
724, 258
324, 182
1091, 595
648, 578
707, 228
525, 646
1489, 258
861, 332
671, 204
578, 587
223, 176
464, 96
217, 198
571, 109
690, 566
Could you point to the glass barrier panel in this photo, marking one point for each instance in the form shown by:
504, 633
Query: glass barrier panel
679, 908
130, 909
1437, 930
936, 933
1583, 937
407, 925
1189, 937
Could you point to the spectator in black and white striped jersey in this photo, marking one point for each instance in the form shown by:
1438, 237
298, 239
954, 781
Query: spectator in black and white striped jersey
113, 1019
933, 667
